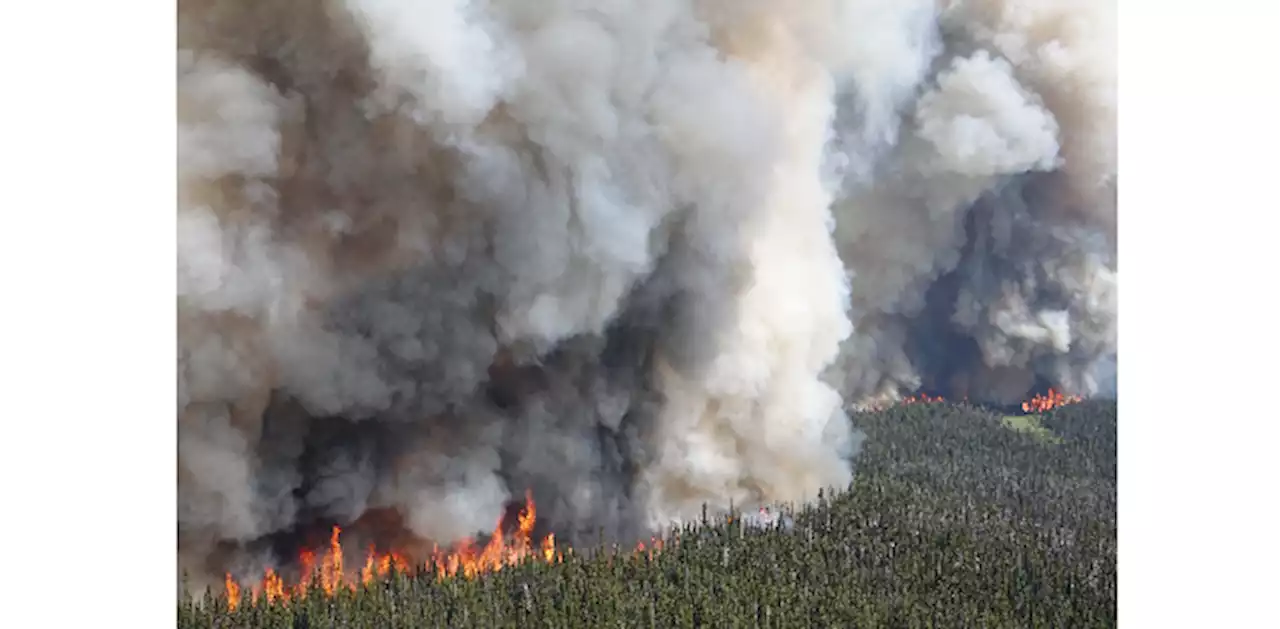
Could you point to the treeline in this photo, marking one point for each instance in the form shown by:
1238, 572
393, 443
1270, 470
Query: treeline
954, 519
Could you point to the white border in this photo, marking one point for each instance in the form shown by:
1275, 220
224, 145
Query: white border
87, 131
88, 314
1199, 258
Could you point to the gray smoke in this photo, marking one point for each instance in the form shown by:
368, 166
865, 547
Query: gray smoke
977, 207
632, 256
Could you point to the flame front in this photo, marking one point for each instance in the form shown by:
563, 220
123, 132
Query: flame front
467, 559
921, 398
1038, 404
1050, 400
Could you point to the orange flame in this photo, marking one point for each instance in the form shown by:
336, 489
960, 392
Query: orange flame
1053, 399
233, 593
501, 550
273, 585
1037, 404
467, 559
921, 398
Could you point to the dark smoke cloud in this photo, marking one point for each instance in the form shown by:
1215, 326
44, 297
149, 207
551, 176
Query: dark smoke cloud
631, 256
979, 225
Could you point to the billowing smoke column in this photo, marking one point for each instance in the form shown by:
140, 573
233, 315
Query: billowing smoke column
631, 256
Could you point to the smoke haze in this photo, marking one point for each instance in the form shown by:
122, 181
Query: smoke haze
631, 256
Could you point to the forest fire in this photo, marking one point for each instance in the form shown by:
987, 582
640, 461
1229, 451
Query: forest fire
921, 398
1039, 403
1052, 399
326, 575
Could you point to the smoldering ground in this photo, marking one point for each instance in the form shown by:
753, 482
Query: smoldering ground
633, 257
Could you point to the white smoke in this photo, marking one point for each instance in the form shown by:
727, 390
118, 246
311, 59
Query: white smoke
633, 256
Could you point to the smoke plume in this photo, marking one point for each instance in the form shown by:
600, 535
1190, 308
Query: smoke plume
633, 257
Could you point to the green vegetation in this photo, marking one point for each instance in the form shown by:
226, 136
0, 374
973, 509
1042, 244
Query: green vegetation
953, 520
1032, 425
